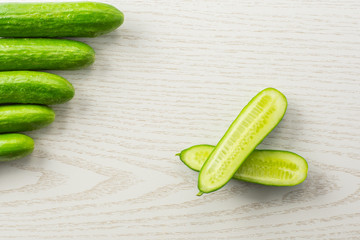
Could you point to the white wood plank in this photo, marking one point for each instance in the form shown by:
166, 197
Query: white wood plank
176, 74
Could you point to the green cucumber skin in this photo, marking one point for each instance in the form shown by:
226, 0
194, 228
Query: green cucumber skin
34, 88
65, 19
204, 172
14, 146
253, 162
20, 118
44, 54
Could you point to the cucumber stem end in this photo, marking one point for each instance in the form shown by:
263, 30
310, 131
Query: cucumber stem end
199, 194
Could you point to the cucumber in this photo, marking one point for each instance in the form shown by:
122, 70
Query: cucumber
40, 53
15, 146
34, 87
251, 126
266, 167
58, 19
19, 118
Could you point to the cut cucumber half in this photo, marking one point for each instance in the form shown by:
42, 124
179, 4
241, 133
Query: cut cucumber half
259, 117
267, 167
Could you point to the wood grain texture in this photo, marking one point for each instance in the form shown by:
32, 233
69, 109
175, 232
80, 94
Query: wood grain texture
176, 74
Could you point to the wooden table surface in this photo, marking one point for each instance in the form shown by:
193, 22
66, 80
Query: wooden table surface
176, 74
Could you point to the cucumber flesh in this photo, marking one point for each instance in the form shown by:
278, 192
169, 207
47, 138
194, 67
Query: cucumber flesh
267, 167
259, 117
14, 146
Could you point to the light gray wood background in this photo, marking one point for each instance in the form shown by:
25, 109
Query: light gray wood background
176, 74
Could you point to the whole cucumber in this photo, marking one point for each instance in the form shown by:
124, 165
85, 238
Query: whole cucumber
39, 53
34, 87
58, 19
15, 146
19, 118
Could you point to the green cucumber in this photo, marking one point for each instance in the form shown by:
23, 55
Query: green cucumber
58, 19
15, 146
19, 118
259, 117
34, 87
266, 167
39, 53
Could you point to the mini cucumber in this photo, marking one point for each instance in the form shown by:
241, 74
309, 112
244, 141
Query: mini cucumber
42, 54
267, 167
259, 117
58, 19
34, 87
19, 118
14, 146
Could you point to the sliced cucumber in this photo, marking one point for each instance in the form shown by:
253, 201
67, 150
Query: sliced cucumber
267, 167
259, 117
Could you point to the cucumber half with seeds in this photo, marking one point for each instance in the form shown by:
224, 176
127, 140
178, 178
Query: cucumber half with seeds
14, 146
267, 167
259, 117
